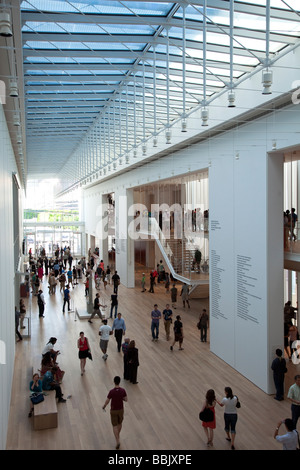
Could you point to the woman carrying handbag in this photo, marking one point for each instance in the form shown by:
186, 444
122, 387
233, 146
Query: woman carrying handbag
207, 415
84, 350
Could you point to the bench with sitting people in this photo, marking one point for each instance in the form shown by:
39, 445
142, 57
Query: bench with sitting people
45, 394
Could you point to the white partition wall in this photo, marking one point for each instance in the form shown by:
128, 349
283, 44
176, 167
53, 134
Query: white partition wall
124, 244
241, 208
7, 273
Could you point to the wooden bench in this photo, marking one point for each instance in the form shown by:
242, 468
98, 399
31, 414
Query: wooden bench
45, 413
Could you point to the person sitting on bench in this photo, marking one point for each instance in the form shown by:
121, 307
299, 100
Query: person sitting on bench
49, 383
49, 364
35, 386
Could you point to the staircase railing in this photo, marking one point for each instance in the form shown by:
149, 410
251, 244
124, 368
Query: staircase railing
167, 253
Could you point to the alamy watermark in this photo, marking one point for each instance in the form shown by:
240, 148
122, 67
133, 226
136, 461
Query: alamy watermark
2, 92
2, 352
296, 93
161, 221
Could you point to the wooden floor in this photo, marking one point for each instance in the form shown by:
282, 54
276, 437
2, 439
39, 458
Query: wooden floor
162, 409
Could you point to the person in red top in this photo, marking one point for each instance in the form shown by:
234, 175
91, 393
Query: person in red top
116, 397
84, 348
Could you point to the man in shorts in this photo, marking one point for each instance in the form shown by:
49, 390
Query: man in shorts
104, 332
116, 397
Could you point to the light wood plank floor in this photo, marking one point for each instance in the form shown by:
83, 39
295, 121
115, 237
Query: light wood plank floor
162, 410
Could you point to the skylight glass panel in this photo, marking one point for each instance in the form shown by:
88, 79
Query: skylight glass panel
294, 4
130, 29
149, 8
46, 5
255, 22
195, 13
55, 45
242, 20
49, 60
87, 28
42, 27
99, 6
116, 46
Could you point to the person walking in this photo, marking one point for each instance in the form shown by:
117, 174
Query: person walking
96, 310
17, 322
167, 314
114, 305
174, 296
133, 362
41, 303
83, 350
62, 281
119, 329
125, 346
66, 299
155, 317
203, 326
185, 295
230, 415
152, 282
104, 332
116, 281
209, 426
116, 397
87, 286
22, 314
294, 397
279, 370
178, 333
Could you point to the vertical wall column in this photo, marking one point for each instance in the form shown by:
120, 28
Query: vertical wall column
124, 244
103, 231
246, 262
275, 257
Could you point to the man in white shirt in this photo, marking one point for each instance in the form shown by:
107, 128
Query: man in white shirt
289, 440
294, 397
104, 332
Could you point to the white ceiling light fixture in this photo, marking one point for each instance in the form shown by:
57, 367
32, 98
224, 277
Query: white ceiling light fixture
5, 24
267, 80
204, 116
16, 120
231, 99
183, 125
13, 89
168, 136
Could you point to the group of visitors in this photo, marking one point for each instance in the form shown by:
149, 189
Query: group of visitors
291, 333
208, 417
290, 220
51, 375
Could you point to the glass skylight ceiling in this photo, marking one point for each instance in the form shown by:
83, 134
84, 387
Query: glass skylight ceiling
91, 64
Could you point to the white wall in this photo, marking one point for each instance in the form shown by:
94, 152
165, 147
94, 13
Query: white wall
245, 271
7, 293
